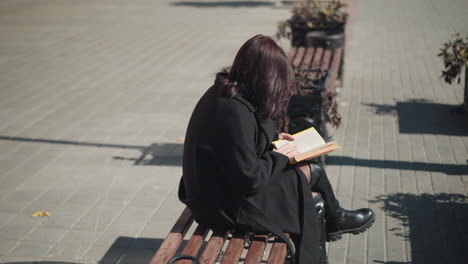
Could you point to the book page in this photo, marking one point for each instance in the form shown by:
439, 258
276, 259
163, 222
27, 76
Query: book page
306, 140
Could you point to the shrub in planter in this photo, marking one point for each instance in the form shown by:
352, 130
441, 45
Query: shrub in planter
312, 16
312, 105
455, 57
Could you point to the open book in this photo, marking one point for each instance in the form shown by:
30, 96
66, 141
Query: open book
310, 144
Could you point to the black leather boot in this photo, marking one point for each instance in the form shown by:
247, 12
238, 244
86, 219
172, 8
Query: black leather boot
338, 220
351, 221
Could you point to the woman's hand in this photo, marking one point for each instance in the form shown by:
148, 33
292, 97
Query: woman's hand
288, 150
286, 136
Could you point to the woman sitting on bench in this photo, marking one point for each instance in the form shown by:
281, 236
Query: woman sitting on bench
234, 179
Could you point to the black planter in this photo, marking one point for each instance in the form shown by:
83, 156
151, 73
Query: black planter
312, 85
305, 111
299, 32
322, 38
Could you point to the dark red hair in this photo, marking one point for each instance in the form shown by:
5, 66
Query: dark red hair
262, 74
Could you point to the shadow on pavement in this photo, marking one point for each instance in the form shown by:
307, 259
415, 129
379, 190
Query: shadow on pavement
223, 3
71, 142
420, 116
449, 169
436, 225
123, 250
165, 154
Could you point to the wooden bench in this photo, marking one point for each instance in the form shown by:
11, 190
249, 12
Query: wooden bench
318, 58
230, 248
314, 107
225, 248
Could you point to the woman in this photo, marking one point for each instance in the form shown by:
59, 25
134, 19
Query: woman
234, 179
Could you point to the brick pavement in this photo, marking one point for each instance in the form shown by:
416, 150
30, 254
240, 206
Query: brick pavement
95, 95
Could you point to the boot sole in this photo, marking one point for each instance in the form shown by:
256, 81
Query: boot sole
332, 237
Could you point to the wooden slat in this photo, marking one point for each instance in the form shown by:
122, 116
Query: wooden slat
308, 58
278, 252
194, 244
234, 249
335, 65
213, 248
173, 239
292, 53
254, 256
326, 59
299, 56
317, 58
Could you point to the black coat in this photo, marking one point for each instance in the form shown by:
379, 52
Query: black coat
232, 178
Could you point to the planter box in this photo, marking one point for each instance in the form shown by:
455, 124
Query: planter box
315, 84
299, 32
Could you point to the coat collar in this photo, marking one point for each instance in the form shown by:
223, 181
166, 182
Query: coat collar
241, 99
267, 127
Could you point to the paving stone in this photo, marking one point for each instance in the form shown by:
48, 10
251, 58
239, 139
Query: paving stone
80, 238
30, 249
137, 255
115, 239
98, 218
7, 206
11, 260
61, 252
48, 235
15, 231
6, 246
58, 220
5, 218
103, 254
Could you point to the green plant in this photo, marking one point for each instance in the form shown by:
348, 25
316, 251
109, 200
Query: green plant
312, 82
312, 14
307, 80
455, 56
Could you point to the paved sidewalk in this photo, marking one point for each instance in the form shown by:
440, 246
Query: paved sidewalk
95, 97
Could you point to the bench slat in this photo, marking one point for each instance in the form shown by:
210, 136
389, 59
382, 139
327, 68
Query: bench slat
317, 61
308, 57
278, 251
255, 254
335, 64
299, 56
234, 250
173, 240
326, 59
213, 248
292, 54
194, 244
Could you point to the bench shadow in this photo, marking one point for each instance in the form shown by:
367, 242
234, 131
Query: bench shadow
436, 225
420, 116
232, 4
123, 250
449, 169
162, 154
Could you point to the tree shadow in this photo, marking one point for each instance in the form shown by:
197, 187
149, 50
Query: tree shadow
449, 169
232, 4
420, 116
436, 225
156, 154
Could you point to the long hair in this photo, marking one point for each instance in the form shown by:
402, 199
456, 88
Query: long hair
262, 74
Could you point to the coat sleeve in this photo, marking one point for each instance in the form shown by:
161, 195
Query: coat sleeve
235, 152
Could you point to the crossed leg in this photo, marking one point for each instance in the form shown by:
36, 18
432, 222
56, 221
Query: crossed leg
304, 167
